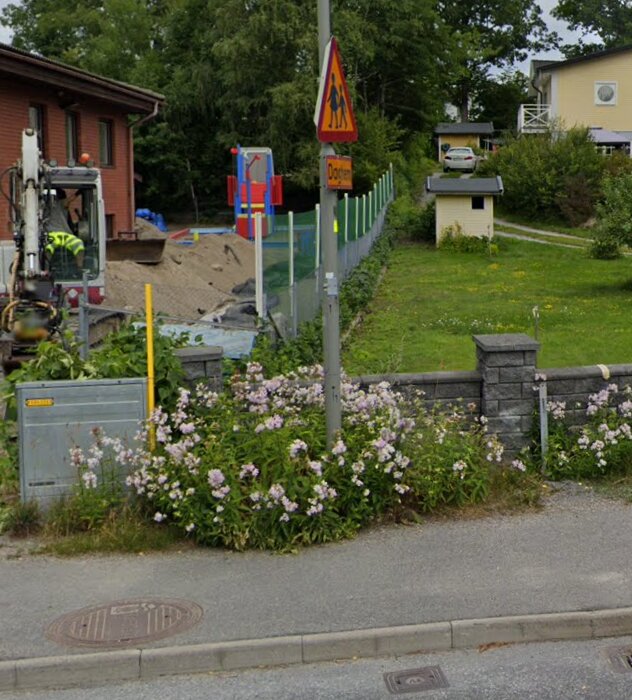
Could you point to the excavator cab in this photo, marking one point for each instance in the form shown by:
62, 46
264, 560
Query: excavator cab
78, 197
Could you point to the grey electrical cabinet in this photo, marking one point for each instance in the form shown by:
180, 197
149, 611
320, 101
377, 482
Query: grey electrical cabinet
55, 416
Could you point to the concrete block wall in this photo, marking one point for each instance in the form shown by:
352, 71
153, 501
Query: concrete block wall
438, 387
574, 385
503, 387
203, 363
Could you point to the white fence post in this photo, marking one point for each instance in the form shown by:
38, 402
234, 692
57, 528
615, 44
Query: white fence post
364, 213
259, 266
317, 257
293, 305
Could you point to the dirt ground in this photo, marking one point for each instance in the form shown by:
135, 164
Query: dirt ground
189, 282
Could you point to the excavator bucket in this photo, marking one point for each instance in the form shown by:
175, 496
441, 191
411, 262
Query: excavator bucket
147, 251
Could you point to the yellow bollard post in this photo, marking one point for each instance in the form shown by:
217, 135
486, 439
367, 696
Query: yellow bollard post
149, 324
196, 236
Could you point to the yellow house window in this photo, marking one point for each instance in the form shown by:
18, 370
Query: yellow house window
478, 202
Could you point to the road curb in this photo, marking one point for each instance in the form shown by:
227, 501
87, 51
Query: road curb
70, 670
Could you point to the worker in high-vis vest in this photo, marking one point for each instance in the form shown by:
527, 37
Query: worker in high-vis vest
61, 240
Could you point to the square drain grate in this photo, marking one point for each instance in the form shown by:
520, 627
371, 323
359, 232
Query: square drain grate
620, 659
415, 680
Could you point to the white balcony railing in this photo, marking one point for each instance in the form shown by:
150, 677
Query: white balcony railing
533, 119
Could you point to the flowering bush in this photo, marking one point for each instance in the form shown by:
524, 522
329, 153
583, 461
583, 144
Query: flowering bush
251, 467
451, 452
603, 443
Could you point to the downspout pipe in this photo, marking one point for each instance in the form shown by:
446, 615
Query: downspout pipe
139, 122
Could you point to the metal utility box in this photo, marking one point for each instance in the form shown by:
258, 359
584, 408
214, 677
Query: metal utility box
55, 416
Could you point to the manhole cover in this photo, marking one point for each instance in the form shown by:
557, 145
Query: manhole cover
620, 658
125, 623
415, 680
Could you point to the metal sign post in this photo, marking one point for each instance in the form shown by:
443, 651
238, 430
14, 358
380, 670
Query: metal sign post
331, 314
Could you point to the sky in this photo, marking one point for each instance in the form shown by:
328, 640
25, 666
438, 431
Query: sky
546, 6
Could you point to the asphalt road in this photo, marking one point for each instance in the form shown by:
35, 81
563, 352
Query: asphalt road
573, 555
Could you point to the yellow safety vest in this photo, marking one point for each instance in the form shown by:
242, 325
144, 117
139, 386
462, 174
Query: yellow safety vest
59, 240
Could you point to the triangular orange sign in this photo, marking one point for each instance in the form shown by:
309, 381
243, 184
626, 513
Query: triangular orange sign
334, 116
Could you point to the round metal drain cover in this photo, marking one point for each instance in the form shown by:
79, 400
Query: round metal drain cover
125, 623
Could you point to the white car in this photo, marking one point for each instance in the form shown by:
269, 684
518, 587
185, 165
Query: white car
460, 158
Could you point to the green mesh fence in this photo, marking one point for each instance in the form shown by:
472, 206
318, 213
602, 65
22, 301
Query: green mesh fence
355, 219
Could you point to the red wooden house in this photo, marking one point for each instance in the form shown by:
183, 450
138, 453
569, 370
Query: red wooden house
75, 112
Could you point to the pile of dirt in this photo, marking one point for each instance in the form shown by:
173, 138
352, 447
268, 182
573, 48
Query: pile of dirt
191, 281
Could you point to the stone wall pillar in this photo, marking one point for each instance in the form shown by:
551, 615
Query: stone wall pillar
507, 365
202, 363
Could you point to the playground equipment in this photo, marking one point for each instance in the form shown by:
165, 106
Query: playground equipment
254, 189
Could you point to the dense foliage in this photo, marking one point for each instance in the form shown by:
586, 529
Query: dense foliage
549, 176
614, 217
235, 72
608, 21
601, 445
250, 468
122, 354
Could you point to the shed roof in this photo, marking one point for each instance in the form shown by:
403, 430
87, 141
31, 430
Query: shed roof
480, 128
25, 66
465, 186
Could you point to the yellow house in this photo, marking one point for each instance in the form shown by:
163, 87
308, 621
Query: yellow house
474, 134
593, 90
465, 205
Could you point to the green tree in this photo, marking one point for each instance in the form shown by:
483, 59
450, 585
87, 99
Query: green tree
491, 33
247, 72
609, 20
110, 37
497, 99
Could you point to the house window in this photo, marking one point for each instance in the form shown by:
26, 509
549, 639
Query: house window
72, 136
106, 150
37, 121
478, 202
109, 225
606, 93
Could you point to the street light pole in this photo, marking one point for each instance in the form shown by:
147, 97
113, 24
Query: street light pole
331, 312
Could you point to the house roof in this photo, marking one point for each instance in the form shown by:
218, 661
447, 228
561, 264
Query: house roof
69, 81
555, 65
465, 186
604, 137
479, 128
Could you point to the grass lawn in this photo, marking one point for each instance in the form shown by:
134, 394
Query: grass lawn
557, 226
431, 301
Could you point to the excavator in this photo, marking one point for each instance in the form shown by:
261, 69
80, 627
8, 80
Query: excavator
33, 283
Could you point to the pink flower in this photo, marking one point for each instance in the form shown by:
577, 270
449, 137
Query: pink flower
216, 478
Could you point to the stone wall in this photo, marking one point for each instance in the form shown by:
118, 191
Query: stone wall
503, 387
202, 363
574, 385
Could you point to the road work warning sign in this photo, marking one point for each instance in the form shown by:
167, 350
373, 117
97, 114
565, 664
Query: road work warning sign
334, 116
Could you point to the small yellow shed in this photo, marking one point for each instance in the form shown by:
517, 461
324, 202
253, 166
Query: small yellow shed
465, 205
474, 134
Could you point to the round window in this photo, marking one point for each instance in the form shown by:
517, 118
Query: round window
605, 93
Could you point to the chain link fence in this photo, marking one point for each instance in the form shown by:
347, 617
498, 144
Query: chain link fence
291, 255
